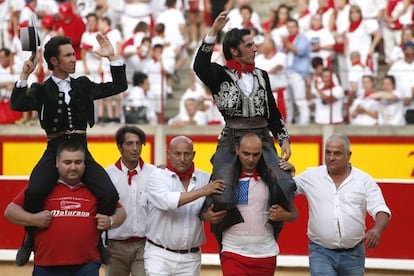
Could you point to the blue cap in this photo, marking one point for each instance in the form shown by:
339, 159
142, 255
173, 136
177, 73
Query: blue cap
408, 44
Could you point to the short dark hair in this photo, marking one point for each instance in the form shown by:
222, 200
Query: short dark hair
120, 134
294, 21
52, 48
159, 28
170, 3
6, 51
107, 20
370, 77
246, 7
233, 39
69, 146
391, 78
91, 14
316, 61
139, 78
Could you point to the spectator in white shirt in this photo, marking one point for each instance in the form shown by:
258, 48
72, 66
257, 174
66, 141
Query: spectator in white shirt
403, 70
192, 116
175, 231
391, 105
136, 105
339, 196
329, 101
321, 40
364, 110
397, 52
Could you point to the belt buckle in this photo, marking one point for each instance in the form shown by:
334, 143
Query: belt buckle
69, 132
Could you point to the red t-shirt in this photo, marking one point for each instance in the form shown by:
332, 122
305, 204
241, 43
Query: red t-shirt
72, 236
73, 29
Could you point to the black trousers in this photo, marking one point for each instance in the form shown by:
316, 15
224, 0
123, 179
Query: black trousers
45, 175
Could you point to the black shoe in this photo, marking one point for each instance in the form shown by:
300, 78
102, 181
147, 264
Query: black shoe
23, 254
103, 253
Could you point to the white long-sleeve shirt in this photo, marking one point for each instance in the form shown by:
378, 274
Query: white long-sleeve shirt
133, 198
167, 224
337, 216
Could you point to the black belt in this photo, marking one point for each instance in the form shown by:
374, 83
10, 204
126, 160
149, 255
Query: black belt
131, 239
66, 132
181, 251
347, 249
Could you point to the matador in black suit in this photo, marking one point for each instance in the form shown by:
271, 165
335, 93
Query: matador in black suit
244, 98
65, 107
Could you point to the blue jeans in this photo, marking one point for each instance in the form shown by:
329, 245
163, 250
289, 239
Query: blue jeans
88, 269
328, 262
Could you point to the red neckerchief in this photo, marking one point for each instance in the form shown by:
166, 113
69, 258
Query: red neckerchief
357, 62
292, 38
323, 10
106, 32
272, 54
354, 25
184, 175
232, 64
328, 86
93, 30
303, 14
253, 175
281, 24
130, 175
368, 93
248, 24
118, 163
30, 7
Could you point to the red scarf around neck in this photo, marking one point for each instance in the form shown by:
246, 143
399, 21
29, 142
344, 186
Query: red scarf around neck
357, 62
184, 175
232, 64
118, 163
368, 93
321, 10
253, 175
354, 25
328, 86
303, 14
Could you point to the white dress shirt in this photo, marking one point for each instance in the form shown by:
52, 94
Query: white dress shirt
337, 216
133, 198
169, 225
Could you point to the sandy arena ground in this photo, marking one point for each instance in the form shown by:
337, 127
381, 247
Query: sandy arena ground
10, 269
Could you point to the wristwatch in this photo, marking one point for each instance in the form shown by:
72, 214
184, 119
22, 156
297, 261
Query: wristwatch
111, 222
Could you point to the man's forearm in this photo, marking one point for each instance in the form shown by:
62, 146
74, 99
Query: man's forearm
17, 215
381, 221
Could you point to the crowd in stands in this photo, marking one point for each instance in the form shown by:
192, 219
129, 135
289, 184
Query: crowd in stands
322, 56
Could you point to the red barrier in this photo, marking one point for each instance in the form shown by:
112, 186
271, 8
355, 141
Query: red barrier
396, 242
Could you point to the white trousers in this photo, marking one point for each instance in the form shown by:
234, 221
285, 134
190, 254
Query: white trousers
158, 261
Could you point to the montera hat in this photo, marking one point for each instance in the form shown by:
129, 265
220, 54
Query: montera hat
29, 38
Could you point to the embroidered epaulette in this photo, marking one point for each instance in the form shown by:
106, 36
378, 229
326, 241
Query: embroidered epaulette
207, 48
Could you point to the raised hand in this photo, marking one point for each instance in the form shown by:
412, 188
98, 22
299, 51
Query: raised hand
219, 23
106, 49
28, 68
